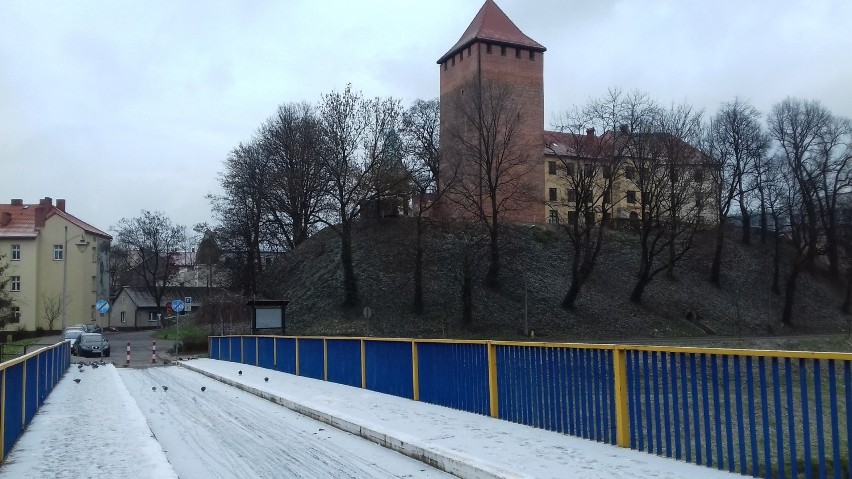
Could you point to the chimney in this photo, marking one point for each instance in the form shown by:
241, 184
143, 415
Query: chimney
46, 201
590, 132
17, 202
39, 215
5, 218
60, 204
623, 128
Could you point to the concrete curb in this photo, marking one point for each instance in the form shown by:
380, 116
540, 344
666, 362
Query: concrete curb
448, 461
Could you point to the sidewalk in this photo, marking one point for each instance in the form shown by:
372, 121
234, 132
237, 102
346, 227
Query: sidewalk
464, 444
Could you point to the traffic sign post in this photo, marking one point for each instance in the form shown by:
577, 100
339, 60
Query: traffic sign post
177, 307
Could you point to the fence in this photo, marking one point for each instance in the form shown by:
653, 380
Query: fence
24, 384
760, 413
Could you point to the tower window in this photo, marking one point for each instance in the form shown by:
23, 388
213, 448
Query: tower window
453, 61
517, 53
468, 51
503, 51
488, 48
461, 56
445, 66
532, 55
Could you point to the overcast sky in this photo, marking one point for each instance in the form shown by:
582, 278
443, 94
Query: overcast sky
120, 106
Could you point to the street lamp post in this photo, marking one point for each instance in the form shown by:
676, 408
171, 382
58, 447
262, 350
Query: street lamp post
81, 245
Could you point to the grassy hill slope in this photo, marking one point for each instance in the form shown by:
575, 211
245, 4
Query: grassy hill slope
310, 277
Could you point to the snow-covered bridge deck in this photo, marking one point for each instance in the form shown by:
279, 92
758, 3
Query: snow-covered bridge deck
114, 423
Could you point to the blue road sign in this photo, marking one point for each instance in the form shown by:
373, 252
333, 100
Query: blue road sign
102, 306
177, 306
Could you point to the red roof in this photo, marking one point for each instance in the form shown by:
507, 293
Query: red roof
492, 25
22, 220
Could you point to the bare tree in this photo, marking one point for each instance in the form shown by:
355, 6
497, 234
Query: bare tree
292, 141
243, 214
51, 309
735, 142
151, 240
354, 153
797, 127
6, 303
667, 166
421, 134
490, 156
590, 166
833, 174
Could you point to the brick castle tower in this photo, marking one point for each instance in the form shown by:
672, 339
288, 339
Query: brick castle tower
494, 50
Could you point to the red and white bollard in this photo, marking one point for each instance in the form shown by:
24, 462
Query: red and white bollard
128, 353
154, 353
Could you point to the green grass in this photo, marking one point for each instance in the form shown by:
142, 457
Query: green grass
16, 348
186, 331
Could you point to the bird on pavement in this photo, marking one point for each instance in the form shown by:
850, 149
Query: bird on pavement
203, 388
77, 380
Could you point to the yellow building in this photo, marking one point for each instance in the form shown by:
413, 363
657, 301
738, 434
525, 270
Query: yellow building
50, 255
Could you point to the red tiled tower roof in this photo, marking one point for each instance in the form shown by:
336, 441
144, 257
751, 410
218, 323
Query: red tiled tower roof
19, 220
492, 25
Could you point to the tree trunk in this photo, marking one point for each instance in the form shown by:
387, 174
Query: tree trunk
642, 280
832, 249
493, 276
350, 284
846, 308
418, 269
763, 222
790, 293
570, 298
746, 223
716, 265
467, 291
776, 263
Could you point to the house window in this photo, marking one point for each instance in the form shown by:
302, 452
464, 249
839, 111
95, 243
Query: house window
488, 48
554, 217
607, 171
503, 51
588, 170
569, 170
572, 195
94, 283
588, 198
16, 315
631, 197
517, 53
630, 173
57, 252
94, 254
153, 317
699, 176
607, 198
15, 283
16, 252
532, 55
551, 167
552, 194
123, 317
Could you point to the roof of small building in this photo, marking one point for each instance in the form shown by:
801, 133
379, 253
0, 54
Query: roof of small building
491, 24
142, 298
22, 220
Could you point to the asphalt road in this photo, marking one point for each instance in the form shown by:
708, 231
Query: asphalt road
141, 344
223, 432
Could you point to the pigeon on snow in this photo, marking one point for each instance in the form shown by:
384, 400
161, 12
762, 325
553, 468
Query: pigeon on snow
165, 388
203, 388
241, 372
77, 380
154, 388
266, 379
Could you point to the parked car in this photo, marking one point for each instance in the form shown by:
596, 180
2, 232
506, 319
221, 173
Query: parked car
93, 328
71, 334
91, 344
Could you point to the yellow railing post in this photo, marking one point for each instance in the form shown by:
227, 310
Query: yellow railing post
24, 394
415, 371
297, 356
256, 351
622, 419
274, 353
363, 365
492, 379
2, 413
